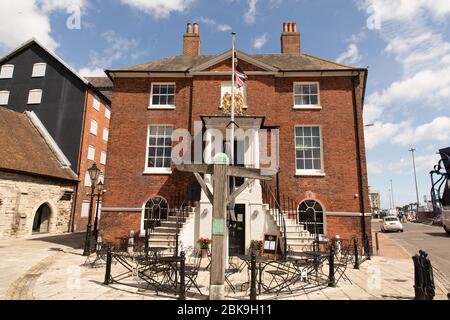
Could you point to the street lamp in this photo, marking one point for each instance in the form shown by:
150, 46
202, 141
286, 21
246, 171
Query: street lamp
94, 172
392, 191
412, 150
100, 187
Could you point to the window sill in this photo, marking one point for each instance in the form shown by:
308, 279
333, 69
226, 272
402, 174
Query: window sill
168, 107
157, 171
307, 107
306, 173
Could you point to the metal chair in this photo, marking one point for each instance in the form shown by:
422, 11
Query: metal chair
192, 270
341, 261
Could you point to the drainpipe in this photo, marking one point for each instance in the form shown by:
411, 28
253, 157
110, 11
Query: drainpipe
358, 158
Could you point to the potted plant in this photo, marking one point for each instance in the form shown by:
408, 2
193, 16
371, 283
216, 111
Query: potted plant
256, 247
204, 246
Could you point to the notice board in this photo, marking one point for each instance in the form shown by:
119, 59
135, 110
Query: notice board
270, 243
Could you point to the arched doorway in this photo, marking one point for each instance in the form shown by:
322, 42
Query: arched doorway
41, 222
310, 214
155, 210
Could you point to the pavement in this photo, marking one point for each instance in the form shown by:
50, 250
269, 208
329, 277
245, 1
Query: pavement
53, 268
415, 237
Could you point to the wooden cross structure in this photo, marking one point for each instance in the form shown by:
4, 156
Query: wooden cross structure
219, 199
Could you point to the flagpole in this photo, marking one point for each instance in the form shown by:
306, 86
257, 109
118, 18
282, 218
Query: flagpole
233, 78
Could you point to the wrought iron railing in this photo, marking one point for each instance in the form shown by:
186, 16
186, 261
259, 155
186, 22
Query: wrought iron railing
278, 211
439, 185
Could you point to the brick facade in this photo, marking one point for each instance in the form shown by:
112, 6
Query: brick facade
269, 96
100, 146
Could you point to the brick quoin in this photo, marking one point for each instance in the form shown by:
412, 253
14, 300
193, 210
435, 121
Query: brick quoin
338, 191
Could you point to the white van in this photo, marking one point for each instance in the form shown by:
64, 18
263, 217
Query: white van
446, 219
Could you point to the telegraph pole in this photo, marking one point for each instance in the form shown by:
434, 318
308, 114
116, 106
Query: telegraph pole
412, 150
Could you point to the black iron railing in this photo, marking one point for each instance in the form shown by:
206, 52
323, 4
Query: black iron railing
278, 210
440, 193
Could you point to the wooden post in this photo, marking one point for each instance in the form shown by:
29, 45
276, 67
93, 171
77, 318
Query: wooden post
219, 216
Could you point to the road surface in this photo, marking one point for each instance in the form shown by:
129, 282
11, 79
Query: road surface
417, 236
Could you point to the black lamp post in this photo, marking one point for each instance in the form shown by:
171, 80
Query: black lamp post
94, 172
100, 187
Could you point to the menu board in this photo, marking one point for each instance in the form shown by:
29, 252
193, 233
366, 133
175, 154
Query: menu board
270, 243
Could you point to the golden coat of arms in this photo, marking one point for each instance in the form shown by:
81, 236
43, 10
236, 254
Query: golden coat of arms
238, 103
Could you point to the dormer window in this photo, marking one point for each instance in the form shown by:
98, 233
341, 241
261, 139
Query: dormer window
306, 95
162, 96
39, 70
7, 71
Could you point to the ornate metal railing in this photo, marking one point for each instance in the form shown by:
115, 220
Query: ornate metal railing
440, 191
278, 210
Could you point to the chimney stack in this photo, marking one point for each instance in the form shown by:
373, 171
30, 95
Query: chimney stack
290, 38
191, 40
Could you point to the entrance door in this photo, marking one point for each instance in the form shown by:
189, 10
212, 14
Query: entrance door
41, 220
237, 234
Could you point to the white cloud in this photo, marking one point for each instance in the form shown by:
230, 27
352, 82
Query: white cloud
375, 167
260, 41
88, 72
116, 48
351, 56
213, 23
404, 166
250, 15
223, 27
159, 8
404, 134
383, 11
21, 20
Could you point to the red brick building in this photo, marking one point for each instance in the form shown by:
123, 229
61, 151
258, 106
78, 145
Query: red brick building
316, 104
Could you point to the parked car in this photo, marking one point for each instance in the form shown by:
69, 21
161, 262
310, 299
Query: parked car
391, 223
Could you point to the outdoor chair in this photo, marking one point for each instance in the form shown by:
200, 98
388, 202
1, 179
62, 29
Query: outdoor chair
232, 269
191, 271
282, 275
342, 259
100, 251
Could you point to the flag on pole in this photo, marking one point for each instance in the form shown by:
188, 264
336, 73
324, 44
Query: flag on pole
241, 77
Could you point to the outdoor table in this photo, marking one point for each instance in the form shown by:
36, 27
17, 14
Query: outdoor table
318, 258
172, 271
259, 260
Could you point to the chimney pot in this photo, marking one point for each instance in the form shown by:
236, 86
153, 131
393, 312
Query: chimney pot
290, 27
189, 28
294, 27
285, 27
196, 28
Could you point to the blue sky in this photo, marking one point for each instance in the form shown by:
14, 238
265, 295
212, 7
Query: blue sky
405, 44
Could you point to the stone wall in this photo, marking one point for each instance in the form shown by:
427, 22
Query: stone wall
21, 196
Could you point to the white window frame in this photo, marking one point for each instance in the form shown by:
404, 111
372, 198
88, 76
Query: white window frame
96, 103
7, 74
229, 84
87, 180
37, 67
91, 147
107, 113
85, 206
306, 106
34, 101
309, 172
103, 158
162, 106
153, 170
105, 134
4, 101
94, 127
